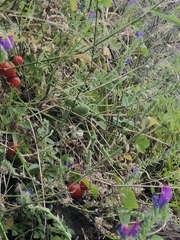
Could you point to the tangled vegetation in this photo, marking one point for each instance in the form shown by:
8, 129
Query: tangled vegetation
89, 116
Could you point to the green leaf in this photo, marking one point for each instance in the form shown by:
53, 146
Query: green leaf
128, 199
94, 191
34, 168
36, 235
144, 50
30, 59
101, 124
127, 99
107, 3
168, 18
114, 43
86, 183
156, 237
141, 143
21, 5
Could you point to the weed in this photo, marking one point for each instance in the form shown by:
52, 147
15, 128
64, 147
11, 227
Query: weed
97, 99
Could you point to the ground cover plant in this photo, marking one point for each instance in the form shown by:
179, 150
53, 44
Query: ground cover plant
89, 116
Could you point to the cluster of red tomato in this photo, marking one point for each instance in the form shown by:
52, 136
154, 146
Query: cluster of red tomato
76, 190
7, 70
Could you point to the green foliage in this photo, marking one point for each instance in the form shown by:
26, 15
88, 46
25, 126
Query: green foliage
128, 199
141, 143
95, 100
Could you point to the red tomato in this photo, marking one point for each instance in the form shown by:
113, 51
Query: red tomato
85, 184
7, 72
18, 60
14, 82
13, 148
75, 190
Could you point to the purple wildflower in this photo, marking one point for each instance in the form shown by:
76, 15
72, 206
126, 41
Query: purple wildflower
128, 62
30, 191
155, 199
124, 231
165, 197
81, 6
135, 170
134, 229
91, 14
6, 43
139, 33
132, 1
49, 20
70, 165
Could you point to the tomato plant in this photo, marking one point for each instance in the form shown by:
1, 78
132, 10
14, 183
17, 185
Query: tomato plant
13, 148
75, 190
18, 60
14, 81
5, 71
84, 184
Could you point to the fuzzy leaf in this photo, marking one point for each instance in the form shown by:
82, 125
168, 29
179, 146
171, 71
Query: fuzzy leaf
129, 199
141, 143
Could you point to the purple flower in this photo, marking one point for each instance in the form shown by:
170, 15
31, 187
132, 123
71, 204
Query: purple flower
132, 1
30, 191
91, 14
128, 62
49, 20
70, 165
135, 170
165, 197
124, 231
81, 6
139, 33
155, 199
6, 43
134, 229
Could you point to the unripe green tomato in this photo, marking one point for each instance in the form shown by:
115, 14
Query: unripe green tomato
81, 109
